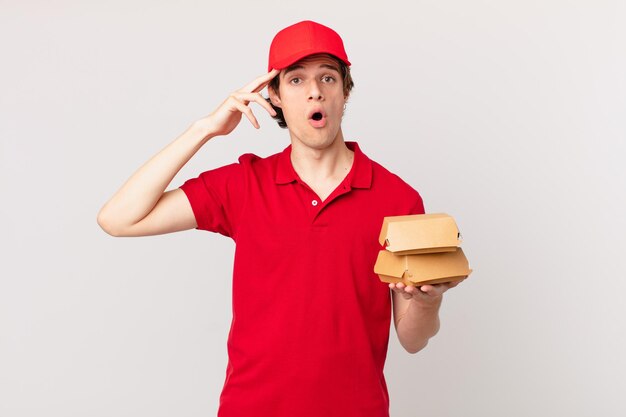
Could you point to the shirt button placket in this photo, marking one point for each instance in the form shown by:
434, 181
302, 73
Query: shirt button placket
315, 204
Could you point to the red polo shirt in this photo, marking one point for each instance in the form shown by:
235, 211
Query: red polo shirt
311, 320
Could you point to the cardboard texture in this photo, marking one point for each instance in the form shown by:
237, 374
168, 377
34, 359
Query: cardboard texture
420, 233
425, 268
421, 249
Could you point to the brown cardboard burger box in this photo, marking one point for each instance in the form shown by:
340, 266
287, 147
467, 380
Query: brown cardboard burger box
421, 249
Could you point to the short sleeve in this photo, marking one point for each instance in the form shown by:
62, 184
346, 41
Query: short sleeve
413, 200
418, 205
215, 197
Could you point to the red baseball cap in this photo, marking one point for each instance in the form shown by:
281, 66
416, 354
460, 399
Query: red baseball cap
302, 39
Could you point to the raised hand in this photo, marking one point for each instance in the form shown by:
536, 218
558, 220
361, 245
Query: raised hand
228, 115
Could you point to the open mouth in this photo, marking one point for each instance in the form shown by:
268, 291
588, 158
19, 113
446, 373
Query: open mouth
317, 119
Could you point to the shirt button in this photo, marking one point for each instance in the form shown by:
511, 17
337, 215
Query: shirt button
314, 202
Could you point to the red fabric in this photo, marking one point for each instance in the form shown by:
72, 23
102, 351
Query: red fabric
311, 320
302, 39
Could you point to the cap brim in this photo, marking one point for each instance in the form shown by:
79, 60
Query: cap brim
285, 62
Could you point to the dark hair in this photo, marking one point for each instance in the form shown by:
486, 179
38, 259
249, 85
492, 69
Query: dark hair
348, 84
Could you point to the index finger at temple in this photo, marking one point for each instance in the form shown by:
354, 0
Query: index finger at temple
260, 83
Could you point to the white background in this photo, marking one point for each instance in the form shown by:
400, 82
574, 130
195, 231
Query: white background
508, 115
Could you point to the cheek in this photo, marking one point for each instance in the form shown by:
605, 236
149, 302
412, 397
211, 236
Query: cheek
290, 111
338, 109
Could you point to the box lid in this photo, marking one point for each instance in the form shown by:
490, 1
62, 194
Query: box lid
420, 233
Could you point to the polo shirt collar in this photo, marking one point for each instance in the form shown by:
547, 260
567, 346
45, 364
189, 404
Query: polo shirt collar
360, 175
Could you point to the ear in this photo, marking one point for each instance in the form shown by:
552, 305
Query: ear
274, 97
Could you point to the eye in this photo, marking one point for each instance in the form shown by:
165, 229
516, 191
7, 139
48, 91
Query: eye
295, 79
328, 78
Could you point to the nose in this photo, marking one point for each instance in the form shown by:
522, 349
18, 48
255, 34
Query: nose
315, 91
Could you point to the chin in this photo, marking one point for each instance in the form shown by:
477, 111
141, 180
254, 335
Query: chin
318, 143
319, 140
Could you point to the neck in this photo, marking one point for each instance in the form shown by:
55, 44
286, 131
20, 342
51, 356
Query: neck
318, 165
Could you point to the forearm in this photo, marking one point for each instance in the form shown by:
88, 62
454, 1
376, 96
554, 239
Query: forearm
140, 193
418, 324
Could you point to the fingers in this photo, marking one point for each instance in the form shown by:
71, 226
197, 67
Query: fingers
260, 83
400, 289
245, 110
228, 115
439, 289
403, 288
241, 100
246, 98
433, 290
430, 290
454, 284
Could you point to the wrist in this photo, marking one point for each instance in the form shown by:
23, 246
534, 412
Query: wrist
204, 128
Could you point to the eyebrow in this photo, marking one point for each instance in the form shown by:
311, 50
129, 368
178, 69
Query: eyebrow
295, 67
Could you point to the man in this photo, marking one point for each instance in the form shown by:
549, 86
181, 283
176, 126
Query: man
311, 320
